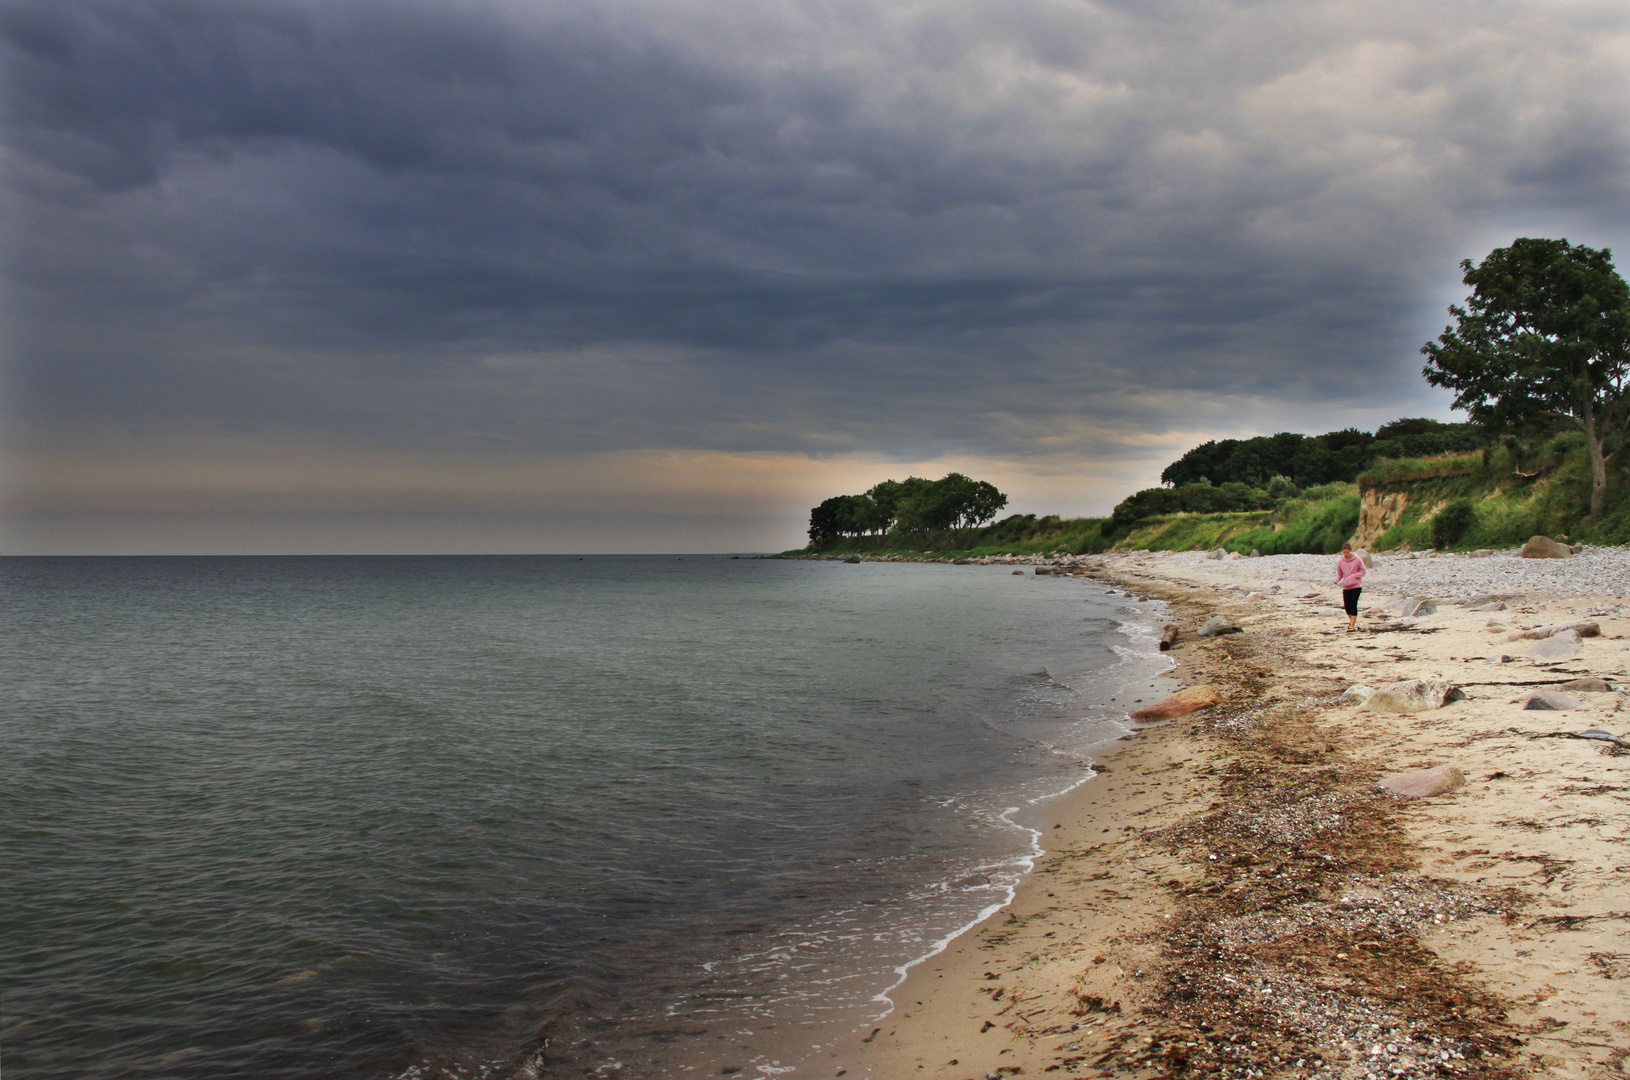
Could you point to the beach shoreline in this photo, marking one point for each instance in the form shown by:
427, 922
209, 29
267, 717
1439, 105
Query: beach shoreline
778, 1044
1233, 895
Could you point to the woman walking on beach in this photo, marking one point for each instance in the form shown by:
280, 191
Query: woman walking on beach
1350, 576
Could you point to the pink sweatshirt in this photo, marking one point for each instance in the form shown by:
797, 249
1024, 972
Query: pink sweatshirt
1350, 572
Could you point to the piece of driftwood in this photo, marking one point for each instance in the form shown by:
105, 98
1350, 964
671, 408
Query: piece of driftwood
1594, 734
1168, 636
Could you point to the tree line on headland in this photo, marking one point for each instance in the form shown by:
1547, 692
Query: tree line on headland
1538, 358
912, 506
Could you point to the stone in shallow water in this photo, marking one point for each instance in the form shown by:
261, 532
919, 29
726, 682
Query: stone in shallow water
1551, 701
1413, 695
1181, 703
1425, 783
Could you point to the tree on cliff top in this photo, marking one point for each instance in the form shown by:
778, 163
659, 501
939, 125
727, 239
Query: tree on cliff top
1544, 337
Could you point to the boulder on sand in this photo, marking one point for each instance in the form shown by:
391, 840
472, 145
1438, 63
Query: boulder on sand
1551, 701
1413, 695
1357, 694
1476, 603
1543, 547
1584, 628
1556, 647
1425, 783
1217, 626
1181, 704
1590, 684
1216, 553
1419, 605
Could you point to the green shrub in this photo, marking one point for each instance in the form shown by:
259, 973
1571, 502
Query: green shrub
1403, 470
1316, 524
1453, 522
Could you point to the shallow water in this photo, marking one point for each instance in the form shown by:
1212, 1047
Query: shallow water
381, 817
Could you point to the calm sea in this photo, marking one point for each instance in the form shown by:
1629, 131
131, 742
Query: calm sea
512, 816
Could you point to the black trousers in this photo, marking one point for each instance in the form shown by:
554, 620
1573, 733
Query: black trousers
1349, 600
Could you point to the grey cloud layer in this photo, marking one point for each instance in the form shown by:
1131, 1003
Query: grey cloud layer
914, 228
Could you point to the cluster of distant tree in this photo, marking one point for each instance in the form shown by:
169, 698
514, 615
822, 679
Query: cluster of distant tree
1255, 474
912, 505
1309, 460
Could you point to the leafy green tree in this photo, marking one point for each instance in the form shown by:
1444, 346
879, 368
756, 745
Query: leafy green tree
1544, 337
912, 505
823, 521
984, 503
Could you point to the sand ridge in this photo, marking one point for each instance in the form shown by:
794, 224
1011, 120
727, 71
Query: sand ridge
1234, 896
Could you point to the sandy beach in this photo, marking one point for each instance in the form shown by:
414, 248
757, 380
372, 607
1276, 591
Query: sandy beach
1235, 895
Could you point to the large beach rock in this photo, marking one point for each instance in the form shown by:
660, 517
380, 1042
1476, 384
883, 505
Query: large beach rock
1556, 647
1590, 684
1413, 695
1551, 701
1543, 547
1416, 606
1583, 627
1490, 598
1217, 626
1216, 553
1181, 703
1481, 553
1369, 563
1425, 783
1357, 694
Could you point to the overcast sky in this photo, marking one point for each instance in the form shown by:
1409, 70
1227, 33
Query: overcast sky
657, 275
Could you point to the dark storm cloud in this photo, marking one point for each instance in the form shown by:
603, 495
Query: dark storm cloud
916, 229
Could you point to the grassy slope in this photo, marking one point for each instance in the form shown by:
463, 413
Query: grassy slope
1509, 507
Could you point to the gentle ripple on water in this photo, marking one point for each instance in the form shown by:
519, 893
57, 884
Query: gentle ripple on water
353, 817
